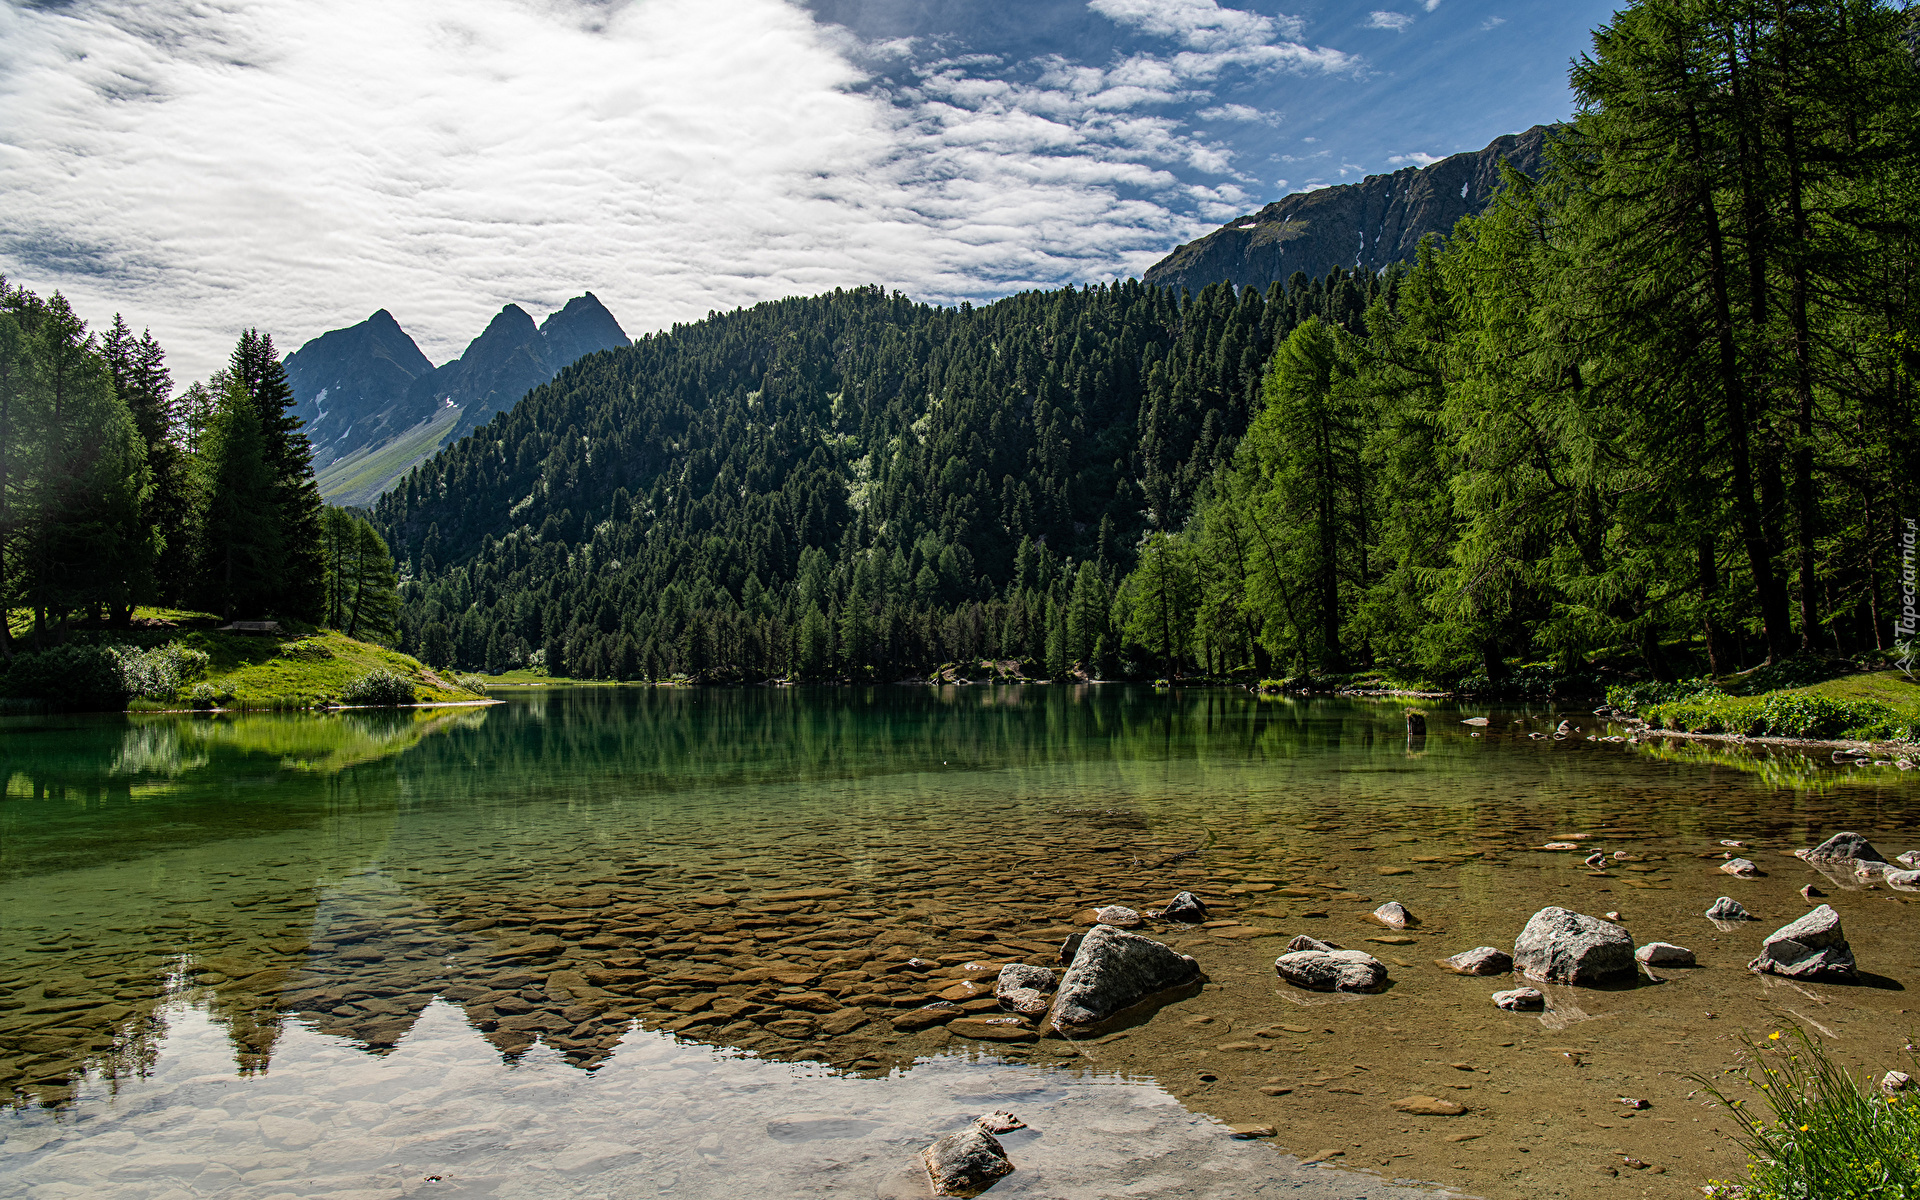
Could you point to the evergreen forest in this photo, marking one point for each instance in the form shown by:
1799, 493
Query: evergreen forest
117, 493
1654, 410
1651, 414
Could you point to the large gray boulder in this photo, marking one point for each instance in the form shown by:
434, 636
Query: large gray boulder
966, 1163
1814, 947
1332, 970
1562, 946
1114, 969
1843, 846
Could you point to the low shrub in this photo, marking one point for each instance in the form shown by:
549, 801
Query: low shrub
1824, 1135
471, 683
209, 695
159, 673
378, 688
1789, 715
86, 677
103, 676
1631, 696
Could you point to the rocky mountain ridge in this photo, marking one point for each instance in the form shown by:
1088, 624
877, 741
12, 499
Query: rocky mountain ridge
374, 405
1359, 226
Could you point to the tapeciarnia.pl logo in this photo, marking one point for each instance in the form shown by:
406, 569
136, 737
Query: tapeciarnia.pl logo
1909, 622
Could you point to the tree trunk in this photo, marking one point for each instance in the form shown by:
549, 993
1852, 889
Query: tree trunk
1753, 537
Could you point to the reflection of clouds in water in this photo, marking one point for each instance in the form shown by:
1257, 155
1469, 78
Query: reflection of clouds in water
661, 1119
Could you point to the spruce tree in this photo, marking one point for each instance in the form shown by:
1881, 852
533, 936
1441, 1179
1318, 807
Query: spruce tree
241, 551
296, 508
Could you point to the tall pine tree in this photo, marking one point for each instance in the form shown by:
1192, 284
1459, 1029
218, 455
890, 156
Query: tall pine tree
299, 589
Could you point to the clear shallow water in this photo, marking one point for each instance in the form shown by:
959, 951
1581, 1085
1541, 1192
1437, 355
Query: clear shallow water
542, 918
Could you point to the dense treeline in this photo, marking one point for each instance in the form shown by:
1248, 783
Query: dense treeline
115, 492
1659, 403
1656, 406
844, 486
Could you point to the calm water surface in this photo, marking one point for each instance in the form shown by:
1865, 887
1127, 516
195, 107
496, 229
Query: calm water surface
648, 942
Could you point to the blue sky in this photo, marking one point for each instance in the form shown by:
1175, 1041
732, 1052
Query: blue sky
206, 165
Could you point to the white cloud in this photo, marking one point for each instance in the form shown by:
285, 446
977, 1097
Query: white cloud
1388, 20
1201, 24
296, 164
1432, 4
1239, 112
1493, 22
1418, 158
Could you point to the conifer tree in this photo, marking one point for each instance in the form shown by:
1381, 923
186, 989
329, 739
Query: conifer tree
255, 367
241, 549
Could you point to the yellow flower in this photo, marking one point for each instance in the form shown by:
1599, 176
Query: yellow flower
1804, 1128
1774, 1036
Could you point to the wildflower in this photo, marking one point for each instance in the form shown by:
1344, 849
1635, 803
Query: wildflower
1774, 1036
1804, 1128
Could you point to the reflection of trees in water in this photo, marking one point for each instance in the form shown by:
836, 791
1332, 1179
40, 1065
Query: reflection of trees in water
109, 756
1776, 768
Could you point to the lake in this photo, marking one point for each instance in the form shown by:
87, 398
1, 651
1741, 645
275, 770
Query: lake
645, 942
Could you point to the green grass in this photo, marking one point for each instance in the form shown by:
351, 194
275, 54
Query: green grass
303, 668
370, 470
522, 677
1813, 1132
306, 672
1864, 706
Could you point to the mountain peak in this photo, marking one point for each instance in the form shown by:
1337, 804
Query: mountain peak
580, 327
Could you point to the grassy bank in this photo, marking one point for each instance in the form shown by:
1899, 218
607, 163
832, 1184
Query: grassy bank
172, 660
1869, 706
1814, 1132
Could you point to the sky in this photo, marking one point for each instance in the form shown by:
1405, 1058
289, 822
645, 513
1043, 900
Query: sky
204, 166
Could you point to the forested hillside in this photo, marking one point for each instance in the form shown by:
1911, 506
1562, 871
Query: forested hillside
1653, 410
845, 485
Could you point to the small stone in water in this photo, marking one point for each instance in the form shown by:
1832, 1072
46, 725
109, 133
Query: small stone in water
1809, 892
1394, 915
1000, 1122
1117, 915
1664, 954
1244, 1132
966, 1163
1612, 916
1740, 867
1429, 1106
1520, 999
1728, 909
1185, 907
1895, 1081
1481, 960
1332, 970
1631, 1102
1303, 942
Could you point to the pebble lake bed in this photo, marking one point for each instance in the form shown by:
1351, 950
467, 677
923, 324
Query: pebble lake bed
702, 942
